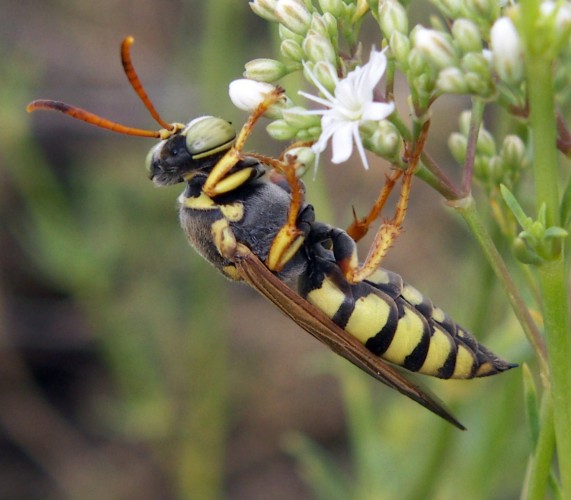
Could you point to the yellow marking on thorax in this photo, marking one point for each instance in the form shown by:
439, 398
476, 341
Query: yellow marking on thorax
438, 352
370, 315
200, 202
233, 181
408, 335
234, 212
464, 363
223, 238
328, 298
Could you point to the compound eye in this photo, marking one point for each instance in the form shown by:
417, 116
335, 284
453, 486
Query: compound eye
208, 135
149, 160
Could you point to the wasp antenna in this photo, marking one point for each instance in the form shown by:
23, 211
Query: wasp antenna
91, 118
135, 82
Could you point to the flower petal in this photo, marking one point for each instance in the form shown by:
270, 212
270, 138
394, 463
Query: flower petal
342, 142
377, 111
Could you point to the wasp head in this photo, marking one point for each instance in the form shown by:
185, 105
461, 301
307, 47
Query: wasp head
195, 148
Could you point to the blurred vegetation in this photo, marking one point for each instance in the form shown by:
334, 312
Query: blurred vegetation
130, 369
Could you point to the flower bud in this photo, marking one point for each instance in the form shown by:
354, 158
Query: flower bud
486, 145
486, 9
248, 95
450, 8
467, 36
299, 118
464, 122
512, 153
507, 51
304, 159
326, 75
457, 144
294, 15
287, 34
265, 70
452, 81
335, 7
292, 50
392, 18
280, 130
385, 140
436, 48
331, 25
400, 48
318, 48
265, 9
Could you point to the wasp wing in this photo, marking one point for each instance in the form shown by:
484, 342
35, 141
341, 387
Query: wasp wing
315, 322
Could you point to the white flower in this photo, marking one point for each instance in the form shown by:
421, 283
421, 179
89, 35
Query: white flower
351, 105
248, 94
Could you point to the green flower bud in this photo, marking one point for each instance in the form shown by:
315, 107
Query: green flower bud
450, 8
486, 145
331, 24
326, 75
513, 153
467, 36
477, 73
265, 70
436, 47
265, 9
479, 86
335, 7
385, 141
318, 48
488, 10
392, 18
293, 14
318, 25
452, 81
280, 130
464, 122
292, 50
457, 144
298, 118
416, 62
287, 34
305, 159
400, 48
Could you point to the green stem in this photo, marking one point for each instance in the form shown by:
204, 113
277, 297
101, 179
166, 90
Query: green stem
467, 209
552, 276
540, 465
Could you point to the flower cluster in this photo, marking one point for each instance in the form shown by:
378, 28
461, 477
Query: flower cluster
351, 108
476, 50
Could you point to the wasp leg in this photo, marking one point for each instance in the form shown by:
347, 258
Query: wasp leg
291, 236
389, 230
218, 180
360, 226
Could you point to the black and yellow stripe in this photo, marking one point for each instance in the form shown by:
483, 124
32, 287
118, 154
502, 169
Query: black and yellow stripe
396, 322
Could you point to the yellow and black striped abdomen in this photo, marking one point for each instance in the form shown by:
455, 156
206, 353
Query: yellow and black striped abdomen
396, 322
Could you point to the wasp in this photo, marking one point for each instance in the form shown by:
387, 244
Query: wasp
246, 214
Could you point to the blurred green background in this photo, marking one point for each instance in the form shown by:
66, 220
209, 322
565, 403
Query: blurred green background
130, 369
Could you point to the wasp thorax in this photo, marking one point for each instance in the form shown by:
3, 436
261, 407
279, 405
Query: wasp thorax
208, 135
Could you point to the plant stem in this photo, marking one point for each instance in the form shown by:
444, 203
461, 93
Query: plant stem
467, 209
553, 283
